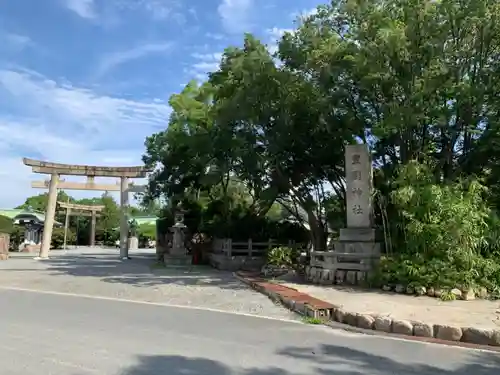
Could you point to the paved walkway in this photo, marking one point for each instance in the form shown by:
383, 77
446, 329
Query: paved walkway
476, 313
99, 272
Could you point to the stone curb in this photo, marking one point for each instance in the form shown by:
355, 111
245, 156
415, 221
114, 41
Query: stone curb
306, 305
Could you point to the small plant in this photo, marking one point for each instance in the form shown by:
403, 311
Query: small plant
282, 256
447, 296
311, 320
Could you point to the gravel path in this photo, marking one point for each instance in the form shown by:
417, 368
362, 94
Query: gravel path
99, 272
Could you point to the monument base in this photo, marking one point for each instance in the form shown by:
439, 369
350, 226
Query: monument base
177, 260
133, 243
357, 235
351, 262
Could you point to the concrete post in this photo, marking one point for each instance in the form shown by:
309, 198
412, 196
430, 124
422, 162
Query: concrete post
92, 229
124, 218
66, 226
50, 214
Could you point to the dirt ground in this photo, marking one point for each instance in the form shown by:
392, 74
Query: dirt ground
476, 313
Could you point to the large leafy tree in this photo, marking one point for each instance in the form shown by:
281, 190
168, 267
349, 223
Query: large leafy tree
255, 123
412, 79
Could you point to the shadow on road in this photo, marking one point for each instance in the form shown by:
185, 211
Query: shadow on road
351, 362
140, 271
334, 360
179, 365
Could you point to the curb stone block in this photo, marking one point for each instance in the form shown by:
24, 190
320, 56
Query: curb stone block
339, 315
365, 321
310, 306
402, 327
351, 318
449, 333
457, 293
310, 312
420, 290
400, 288
300, 307
290, 303
423, 329
481, 336
382, 323
468, 294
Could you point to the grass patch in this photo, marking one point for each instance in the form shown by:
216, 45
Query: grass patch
311, 320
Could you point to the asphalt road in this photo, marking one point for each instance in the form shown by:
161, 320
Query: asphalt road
57, 334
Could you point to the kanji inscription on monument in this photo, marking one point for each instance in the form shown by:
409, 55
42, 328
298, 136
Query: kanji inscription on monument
359, 186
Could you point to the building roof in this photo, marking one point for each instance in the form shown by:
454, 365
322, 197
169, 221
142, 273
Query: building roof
16, 213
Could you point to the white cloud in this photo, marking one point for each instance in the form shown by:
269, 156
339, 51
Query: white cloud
275, 34
62, 123
235, 15
205, 63
159, 10
118, 58
214, 36
84, 8
15, 42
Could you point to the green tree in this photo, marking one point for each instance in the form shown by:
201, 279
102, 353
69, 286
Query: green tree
39, 202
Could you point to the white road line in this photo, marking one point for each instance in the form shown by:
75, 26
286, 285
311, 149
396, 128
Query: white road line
336, 331
116, 299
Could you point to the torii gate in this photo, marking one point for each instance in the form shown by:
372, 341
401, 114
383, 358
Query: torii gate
55, 170
88, 210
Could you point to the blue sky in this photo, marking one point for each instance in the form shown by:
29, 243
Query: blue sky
85, 81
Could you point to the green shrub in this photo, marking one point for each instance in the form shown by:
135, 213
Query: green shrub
57, 240
16, 237
441, 234
6, 225
282, 256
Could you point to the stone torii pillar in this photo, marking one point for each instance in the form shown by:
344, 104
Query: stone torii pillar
124, 218
58, 169
49, 217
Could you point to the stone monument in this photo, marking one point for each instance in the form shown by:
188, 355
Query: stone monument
133, 240
177, 254
359, 236
355, 253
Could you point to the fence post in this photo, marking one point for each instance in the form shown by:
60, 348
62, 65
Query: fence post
250, 247
228, 246
270, 244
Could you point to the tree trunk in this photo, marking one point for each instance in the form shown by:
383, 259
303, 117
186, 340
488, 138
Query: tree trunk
316, 232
